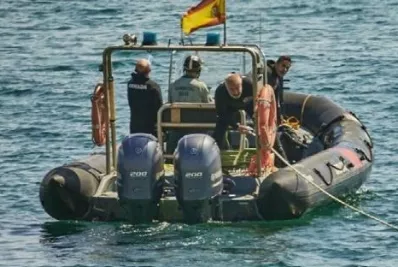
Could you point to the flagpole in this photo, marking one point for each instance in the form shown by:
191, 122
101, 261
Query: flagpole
182, 33
225, 32
225, 23
261, 27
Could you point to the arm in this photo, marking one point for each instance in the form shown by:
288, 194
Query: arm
157, 104
204, 93
158, 97
279, 96
270, 77
130, 97
171, 88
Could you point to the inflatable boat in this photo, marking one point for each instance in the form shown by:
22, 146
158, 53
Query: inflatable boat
327, 149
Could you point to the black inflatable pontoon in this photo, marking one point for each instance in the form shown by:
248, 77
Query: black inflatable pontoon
338, 159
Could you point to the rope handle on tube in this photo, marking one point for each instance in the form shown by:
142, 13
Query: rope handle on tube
300, 174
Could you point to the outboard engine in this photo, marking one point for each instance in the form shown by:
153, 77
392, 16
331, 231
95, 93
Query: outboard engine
140, 169
198, 176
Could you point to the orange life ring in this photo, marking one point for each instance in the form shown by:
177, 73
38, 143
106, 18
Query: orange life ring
98, 115
265, 110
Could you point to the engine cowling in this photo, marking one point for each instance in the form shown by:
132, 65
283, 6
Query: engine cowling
140, 171
198, 175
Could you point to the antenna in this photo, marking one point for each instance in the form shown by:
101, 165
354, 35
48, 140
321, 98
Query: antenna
260, 27
171, 68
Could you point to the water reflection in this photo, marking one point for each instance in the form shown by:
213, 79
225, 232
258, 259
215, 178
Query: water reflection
53, 231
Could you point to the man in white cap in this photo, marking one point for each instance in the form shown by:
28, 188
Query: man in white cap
189, 88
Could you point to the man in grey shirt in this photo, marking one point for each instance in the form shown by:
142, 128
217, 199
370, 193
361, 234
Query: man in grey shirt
188, 88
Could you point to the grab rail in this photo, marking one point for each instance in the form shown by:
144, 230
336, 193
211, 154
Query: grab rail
175, 120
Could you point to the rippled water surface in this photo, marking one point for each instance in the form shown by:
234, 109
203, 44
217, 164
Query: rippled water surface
49, 55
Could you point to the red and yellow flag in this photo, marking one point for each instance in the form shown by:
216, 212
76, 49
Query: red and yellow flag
207, 13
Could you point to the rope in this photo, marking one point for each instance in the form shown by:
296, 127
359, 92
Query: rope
291, 122
333, 197
303, 107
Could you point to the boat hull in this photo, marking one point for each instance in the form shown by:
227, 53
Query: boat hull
338, 160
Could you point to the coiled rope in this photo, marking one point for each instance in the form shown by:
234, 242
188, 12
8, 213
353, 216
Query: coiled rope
333, 197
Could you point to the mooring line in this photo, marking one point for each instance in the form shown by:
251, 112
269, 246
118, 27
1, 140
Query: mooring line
332, 196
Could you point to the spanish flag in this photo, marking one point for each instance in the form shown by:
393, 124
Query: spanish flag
207, 13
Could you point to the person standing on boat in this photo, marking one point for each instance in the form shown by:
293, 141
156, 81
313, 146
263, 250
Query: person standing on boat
234, 94
145, 99
275, 73
188, 88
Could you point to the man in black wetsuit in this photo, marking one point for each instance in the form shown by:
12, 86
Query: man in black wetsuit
275, 73
234, 94
145, 99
